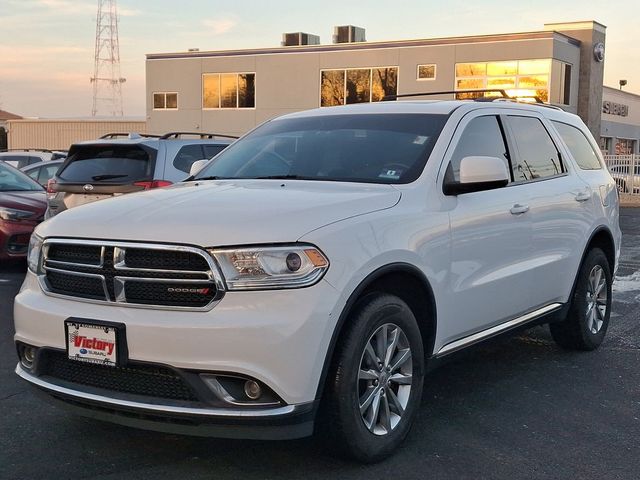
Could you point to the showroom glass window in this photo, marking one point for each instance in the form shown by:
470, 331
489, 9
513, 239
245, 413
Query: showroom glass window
228, 90
357, 85
530, 77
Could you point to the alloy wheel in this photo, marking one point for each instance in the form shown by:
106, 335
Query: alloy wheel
384, 379
597, 296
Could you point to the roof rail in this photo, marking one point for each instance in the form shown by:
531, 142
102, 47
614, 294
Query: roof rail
504, 96
537, 102
169, 135
501, 91
25, 150
108, 136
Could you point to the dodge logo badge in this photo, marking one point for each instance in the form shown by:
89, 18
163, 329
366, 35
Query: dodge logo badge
88, 187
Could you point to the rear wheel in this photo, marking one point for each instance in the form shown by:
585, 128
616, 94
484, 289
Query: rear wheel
375, 383
588, 318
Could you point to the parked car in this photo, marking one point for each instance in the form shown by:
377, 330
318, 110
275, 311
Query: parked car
313, 272
22, 206
21, 158
42, 172
124, 163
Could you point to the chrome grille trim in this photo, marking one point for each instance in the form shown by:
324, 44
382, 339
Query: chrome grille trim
211, 276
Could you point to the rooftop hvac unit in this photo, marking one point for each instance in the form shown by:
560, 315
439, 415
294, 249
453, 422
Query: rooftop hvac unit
348, 34
299, 38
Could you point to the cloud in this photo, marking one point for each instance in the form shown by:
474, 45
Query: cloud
220, 25
68, 7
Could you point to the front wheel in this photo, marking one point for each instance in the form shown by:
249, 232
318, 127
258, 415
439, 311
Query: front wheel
588, 318
376, 379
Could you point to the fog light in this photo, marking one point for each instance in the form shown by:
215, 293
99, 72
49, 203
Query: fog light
28, 357
252, 389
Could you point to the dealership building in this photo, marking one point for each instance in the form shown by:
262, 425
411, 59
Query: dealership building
232, 91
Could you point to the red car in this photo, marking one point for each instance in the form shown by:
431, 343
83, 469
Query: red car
23, 202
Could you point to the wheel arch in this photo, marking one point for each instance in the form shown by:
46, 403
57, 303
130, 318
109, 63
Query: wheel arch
601, 238
401, 279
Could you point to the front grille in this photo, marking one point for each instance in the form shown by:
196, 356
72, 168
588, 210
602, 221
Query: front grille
71, 284
83, 254
135, 274
135, 379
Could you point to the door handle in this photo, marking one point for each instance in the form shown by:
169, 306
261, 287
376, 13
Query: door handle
583, 196
519, 209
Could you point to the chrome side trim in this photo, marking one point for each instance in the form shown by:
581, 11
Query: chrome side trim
163, 409
490, 332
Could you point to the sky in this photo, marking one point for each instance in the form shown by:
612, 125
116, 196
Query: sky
47, 46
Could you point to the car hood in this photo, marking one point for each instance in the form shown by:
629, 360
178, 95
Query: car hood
222, 213
32, 201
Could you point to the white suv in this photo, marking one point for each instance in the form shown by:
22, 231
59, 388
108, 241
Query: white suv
313, 271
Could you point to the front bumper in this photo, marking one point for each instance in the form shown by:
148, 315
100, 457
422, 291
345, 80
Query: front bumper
278, 337
277, 423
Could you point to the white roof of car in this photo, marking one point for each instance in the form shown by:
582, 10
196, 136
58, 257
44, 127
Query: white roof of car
443, 107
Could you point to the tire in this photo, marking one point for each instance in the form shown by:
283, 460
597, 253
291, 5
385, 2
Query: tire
586, 324
369, 437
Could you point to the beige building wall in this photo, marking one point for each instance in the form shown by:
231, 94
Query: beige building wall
288, 80
60, 134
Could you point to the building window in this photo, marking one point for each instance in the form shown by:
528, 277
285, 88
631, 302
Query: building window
527, 78
625, 146
605, 145
357, 85
228, 90
427, 72
165, 101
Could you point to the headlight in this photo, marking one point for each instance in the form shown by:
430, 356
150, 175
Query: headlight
255, 268
14, 215
33, 255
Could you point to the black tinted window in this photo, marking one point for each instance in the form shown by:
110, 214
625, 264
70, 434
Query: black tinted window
538, 157
107, 163
384, 148
481, 137
580, 148
14, 180
186, 156
211, 151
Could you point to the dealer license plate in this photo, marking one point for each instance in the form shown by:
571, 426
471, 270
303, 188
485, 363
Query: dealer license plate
93, 343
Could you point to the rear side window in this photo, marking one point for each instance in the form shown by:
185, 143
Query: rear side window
17, 161
47, 172
211, 151
116, 164
580, 148
33, 173
538, 156
481, 137
189, 154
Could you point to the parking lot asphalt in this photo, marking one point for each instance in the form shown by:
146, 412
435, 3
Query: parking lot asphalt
515, 408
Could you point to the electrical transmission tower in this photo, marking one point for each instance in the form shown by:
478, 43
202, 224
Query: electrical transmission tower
106, 80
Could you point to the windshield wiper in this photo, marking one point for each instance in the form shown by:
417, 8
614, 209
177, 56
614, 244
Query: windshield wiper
285, 177
210, 177
97, 178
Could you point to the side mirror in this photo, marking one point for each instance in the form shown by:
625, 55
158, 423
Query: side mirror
478, 173
197, 166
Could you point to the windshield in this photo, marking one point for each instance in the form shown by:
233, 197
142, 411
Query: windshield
107, 163
386, 148
12, 180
